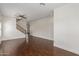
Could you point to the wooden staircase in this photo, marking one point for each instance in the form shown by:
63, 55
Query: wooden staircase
23, 29
19, 27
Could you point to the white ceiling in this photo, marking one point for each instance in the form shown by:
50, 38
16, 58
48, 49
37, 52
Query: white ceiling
33, 11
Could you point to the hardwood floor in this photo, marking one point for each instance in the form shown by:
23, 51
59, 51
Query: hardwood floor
39, 46
61, 52
35, 47
10, 47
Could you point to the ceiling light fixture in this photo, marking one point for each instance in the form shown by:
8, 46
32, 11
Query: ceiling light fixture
42, 4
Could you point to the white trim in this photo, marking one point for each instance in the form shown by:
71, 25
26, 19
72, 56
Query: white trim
43, 37
66, 48
4, 39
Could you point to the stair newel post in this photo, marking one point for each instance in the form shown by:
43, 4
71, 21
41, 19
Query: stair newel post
27, 31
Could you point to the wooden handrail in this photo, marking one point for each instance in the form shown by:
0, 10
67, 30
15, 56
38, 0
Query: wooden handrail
20, 28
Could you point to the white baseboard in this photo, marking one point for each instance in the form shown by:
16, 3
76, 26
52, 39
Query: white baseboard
67, 49
11, 38
42, 37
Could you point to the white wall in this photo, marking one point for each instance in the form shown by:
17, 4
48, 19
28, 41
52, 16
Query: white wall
66, 27
9, 29
43, 28
0, 28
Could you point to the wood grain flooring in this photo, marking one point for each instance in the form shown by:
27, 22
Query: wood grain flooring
62, 52
35, 47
